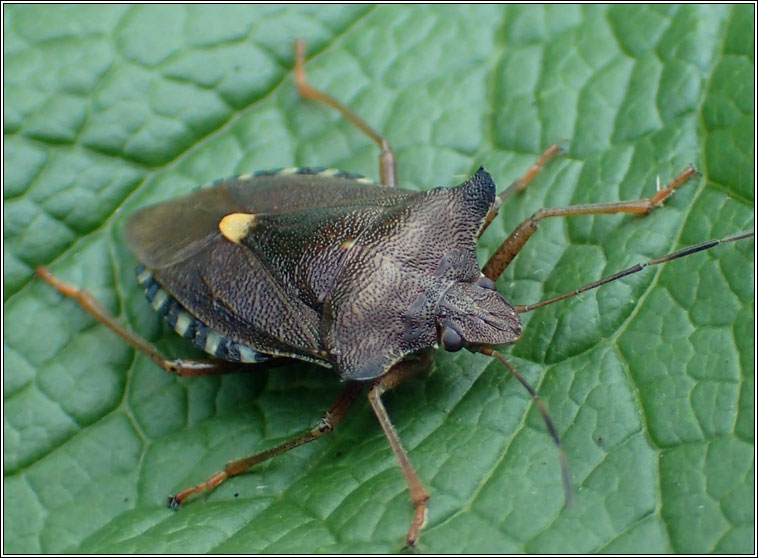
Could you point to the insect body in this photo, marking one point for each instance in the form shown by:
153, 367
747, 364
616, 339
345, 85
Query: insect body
325, 266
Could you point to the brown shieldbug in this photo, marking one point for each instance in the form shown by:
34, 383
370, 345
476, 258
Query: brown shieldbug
324, 266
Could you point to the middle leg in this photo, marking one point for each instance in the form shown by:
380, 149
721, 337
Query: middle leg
325, 425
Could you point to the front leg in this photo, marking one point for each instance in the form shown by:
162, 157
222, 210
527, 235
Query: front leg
419, 495
518, 238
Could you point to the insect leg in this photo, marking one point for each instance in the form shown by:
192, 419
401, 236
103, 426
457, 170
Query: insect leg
179, 367
419, 495
520, 184
325, 425
639, 267
513, 244
387, 169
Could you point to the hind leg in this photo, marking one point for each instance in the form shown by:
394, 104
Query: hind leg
179, 367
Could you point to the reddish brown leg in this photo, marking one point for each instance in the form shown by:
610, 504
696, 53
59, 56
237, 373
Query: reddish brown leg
387, 169
179, 367
419, 496
515, 242
519, 185
325, 425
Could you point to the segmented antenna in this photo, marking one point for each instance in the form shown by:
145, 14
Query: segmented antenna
639, 267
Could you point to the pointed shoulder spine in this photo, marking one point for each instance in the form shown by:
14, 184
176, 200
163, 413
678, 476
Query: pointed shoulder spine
482, 182
477, 194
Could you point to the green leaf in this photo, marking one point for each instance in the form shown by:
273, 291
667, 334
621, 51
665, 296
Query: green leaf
649, 380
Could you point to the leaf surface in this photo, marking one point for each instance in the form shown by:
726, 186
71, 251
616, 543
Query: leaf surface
649, 380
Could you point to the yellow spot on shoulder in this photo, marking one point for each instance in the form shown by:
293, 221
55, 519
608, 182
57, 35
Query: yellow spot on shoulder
349, 243
236, 226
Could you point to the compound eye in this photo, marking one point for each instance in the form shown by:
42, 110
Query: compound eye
486, 283
451, 339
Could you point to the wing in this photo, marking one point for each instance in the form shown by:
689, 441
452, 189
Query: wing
226, 288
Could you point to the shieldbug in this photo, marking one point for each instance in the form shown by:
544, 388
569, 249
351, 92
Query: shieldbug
329, 269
